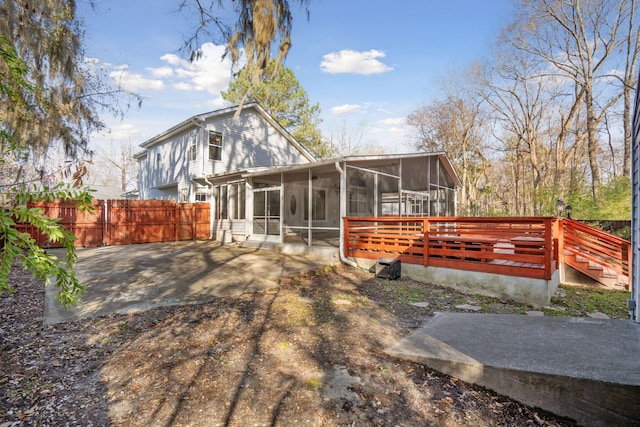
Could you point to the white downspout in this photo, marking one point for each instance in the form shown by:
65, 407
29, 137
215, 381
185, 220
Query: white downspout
343, 213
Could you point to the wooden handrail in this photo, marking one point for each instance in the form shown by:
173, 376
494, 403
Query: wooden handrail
597, 246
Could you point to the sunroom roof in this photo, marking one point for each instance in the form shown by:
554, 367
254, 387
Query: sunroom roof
359, 159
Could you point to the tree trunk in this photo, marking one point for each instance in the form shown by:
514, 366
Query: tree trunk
592, 142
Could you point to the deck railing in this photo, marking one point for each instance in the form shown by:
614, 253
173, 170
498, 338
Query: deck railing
597, 246
509, 246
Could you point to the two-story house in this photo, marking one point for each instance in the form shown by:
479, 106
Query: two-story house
264, 186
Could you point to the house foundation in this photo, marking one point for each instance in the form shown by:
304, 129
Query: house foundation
520, 289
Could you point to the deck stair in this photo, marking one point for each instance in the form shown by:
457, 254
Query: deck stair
599, 255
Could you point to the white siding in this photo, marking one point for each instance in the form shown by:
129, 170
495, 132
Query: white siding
166, 164
248, 141
635, 208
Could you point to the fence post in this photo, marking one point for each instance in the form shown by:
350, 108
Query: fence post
176, 213
107, 222
193, 220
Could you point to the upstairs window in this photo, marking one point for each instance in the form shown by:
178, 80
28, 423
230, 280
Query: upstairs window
215, 145
193, 146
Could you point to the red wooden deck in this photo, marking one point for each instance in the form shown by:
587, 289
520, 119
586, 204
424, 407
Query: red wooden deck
523, 246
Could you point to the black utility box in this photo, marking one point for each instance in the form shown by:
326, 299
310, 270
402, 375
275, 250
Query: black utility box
388, 268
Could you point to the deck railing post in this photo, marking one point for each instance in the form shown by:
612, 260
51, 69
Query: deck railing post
549, 239
559, 246
627, 271
345, 237
425, 242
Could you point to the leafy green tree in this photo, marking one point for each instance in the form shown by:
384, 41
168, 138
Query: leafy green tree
279, 92
17, 246
48, 98
615, 203
22, 248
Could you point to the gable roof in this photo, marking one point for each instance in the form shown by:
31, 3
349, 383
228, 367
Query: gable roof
201, 118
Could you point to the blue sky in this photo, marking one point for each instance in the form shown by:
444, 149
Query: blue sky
367, 63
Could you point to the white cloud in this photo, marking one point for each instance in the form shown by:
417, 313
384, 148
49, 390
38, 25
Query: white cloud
172, 59
184, 86
399, 131
135, 82
161, 72
392, 121
351, 61
117, 133
345, 108
208, 73
216, 103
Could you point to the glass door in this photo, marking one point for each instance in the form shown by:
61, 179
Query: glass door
266, 214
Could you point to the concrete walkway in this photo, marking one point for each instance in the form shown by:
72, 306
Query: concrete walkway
125, 279
585, 369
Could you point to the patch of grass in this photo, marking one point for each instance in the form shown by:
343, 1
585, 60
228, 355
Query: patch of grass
581, 300
295, 313
324, 311
314, 383
326, 270
356, 300
491, 304
384, 369
122, 327
284, 346
7, 356
405, 292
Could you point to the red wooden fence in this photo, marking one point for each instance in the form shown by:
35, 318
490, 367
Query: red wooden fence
121, 222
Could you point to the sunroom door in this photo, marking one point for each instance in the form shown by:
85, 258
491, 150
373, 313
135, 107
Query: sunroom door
266, 214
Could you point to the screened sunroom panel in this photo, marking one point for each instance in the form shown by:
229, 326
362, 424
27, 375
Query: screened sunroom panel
415, 173
388, 198
325, 198
360, 192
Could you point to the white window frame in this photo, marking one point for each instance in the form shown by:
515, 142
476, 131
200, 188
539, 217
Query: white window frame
358, 198
193, 146
215, 146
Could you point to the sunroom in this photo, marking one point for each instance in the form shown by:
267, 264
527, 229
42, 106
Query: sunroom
304, 204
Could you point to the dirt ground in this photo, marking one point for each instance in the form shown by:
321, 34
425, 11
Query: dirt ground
307, 353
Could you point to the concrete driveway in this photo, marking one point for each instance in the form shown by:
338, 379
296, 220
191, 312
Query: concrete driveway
125, 279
